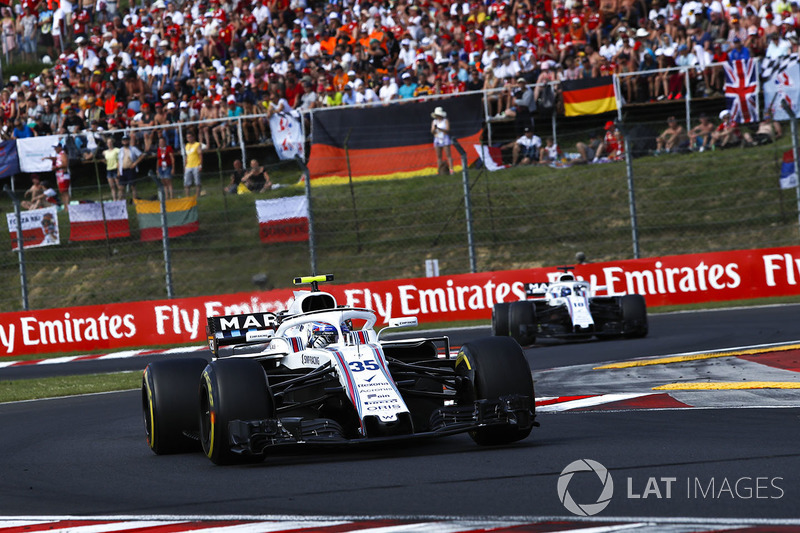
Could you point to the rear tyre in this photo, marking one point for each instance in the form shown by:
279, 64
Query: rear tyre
500, 320
231, 389
169, 404
491, 368
522, 322
634, 316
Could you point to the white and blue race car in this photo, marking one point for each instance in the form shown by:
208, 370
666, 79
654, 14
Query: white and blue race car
569, 308
319, 374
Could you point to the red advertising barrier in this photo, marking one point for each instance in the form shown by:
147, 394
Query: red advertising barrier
671, 280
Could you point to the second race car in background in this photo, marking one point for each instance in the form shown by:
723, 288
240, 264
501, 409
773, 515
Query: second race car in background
567, 309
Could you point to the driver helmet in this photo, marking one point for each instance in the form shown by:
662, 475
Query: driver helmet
322, 334
565, 291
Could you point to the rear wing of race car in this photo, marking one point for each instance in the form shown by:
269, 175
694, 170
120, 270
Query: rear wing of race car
238, 329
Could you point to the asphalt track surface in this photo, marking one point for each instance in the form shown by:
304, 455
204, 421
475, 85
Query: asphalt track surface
87, 455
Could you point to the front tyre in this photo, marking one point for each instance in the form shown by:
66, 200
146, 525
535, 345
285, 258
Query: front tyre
491, 368
169, 404
231, 389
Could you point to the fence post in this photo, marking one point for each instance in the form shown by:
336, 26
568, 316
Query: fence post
631, 193
688, 99
487, 118
795, 151
312, 249
241, 141
23, 280
467, 205
165, 237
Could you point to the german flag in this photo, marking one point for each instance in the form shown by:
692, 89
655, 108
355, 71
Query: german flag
181, 217
589, 96
389, 142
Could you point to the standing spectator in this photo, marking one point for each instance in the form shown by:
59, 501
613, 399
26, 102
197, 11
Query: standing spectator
525, 150
440, 129
61, 169
671, 139
111, 155
165, 162
523, 108
129, 156
193, 165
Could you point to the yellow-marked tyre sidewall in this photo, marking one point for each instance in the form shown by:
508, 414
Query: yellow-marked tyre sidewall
169, 404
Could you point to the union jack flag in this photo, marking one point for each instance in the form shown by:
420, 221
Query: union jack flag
741, 89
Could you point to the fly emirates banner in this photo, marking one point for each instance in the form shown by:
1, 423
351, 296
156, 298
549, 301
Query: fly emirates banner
670, 280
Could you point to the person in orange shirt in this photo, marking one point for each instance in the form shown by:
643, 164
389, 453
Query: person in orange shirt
340, 78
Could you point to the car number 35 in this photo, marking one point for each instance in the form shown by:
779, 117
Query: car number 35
359, 366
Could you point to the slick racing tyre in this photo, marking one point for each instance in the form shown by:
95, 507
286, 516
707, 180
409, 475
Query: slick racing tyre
491, 368
169, 404
522, 322
500, 320
231, 389
634, 315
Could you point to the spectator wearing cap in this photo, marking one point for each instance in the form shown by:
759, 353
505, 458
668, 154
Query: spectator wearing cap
727, 134
739, 51
613, 146
409, 86
440, 129
769, 130
388, 90
525, 150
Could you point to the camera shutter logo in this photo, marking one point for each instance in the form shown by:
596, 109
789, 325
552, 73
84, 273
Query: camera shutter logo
585, 509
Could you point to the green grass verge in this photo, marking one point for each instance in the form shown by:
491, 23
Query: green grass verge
523, 217
54, 387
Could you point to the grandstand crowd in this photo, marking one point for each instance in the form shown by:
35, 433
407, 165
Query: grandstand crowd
163, 62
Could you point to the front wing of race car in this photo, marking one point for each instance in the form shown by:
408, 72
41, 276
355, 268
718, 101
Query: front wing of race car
255, 436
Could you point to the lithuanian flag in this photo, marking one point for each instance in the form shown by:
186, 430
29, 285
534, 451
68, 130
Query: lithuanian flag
181, 217
589, 96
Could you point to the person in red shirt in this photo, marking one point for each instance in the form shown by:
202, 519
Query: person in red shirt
613, 146
165, 162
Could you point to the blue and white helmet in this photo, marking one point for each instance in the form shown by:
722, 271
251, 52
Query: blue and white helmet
322, 334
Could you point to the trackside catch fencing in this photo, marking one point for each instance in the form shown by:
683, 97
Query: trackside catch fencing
479, 220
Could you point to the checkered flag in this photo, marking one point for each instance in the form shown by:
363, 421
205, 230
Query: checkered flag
772, 67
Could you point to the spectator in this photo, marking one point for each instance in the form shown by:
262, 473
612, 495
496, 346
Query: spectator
768, 130
165, 163
256, 179
236, 177
523, 108
111, 155
22, 130
613, 146
671, 139
739, 51
409, 86
61, 168
728, 133
128, 158
549, 153
525, 150
193, 165
589, 151
700, 135
440, 129
36, 193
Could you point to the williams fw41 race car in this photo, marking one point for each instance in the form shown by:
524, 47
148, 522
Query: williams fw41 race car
568, 308
319, 374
